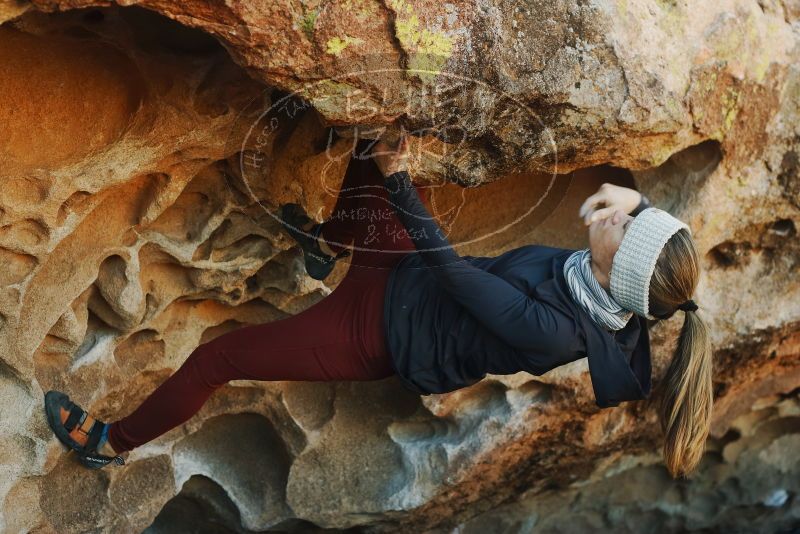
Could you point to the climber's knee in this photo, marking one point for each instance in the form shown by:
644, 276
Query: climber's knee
207, 364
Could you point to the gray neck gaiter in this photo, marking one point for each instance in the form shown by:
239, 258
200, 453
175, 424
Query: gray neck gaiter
590, 295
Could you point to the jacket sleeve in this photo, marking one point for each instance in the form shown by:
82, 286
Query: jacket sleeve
644, 203
510, 314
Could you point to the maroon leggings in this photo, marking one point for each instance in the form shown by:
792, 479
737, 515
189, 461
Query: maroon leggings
341, 337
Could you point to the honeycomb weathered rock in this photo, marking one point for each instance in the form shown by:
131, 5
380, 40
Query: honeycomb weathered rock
129, 234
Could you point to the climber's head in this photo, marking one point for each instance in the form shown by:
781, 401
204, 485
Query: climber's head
654, 273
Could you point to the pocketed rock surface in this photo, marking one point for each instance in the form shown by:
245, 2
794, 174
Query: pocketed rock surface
137, 221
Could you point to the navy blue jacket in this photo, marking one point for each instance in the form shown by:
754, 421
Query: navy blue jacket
450, 320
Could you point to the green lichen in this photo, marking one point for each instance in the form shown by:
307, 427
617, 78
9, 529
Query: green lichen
308, 21
421, 40
711, 81
330, 97
761, 67
730, 103
427, 50
730, 116
662, 153
729, 107
335, 45
401, 6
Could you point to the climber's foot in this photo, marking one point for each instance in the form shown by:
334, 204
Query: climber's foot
79, 431
318, 264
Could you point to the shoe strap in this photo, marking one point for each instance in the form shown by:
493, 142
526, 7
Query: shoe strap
315, 231
76, 416
94, 435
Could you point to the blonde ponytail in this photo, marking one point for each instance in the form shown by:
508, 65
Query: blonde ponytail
687, 398
687, 395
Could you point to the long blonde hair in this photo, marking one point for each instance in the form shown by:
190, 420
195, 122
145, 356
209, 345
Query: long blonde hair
687, 395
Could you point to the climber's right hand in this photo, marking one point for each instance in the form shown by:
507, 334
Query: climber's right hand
389, 158
612, 198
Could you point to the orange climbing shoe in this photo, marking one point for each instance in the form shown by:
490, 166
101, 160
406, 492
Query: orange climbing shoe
76, 429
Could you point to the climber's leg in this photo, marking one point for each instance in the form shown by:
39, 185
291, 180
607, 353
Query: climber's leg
341, 337
378, 236
336, 232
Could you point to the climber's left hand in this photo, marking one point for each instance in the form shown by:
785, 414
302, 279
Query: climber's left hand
391, 159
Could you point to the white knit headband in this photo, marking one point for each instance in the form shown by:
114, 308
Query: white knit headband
635, 260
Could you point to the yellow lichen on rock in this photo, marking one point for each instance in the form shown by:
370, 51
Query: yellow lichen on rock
428, 50
335, 45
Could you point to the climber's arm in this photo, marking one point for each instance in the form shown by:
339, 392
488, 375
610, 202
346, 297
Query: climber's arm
513, 316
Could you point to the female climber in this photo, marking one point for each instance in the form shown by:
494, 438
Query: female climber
410, 306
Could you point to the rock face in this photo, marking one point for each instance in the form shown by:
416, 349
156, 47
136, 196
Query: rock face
145, 149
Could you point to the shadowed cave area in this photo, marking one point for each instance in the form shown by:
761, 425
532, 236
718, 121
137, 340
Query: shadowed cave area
130, 236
